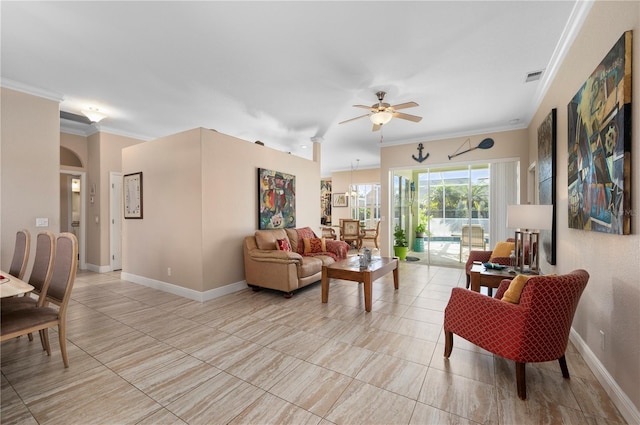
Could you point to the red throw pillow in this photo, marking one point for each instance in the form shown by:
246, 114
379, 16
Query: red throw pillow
283, 245
313, 245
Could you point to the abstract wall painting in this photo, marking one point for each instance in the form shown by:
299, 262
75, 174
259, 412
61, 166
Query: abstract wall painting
325, 202
276, 200
599, 146
547, 180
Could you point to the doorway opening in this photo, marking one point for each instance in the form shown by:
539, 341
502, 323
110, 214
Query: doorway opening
73, 208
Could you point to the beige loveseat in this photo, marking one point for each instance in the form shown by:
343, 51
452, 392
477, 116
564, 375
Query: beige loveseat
266, 266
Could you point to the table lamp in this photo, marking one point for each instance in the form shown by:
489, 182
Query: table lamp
528, 220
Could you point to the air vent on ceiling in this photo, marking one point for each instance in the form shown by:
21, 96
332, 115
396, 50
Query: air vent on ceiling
533, 76
74, 117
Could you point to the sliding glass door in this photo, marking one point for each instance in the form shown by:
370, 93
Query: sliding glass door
454, 205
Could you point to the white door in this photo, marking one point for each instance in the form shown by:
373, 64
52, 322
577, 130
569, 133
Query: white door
116, 221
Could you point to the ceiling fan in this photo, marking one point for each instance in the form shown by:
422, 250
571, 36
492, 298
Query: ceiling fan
381, 112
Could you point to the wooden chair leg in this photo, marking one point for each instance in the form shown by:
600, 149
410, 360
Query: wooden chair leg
63, 344
448, 344
41, 333
563, 366
521, 381
45, 339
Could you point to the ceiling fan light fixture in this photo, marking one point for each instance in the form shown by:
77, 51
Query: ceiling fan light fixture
94, 114
381, 117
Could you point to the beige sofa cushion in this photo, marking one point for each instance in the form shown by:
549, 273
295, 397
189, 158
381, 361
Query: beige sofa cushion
293, 239
309, 266
266, 239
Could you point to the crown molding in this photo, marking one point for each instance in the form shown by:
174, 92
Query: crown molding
576, 20
35, 91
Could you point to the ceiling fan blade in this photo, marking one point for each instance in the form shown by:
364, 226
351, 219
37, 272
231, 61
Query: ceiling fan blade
405, 105
365, 107
409, 117
376, 127
353, 119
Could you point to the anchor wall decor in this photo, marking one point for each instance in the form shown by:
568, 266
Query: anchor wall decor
420, 158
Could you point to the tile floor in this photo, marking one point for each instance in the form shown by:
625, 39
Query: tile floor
142, 356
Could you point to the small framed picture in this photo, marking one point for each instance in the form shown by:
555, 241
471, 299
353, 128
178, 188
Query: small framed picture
340, 200
132, 192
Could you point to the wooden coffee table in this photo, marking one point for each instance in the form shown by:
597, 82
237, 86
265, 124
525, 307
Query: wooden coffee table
349, 269
480, 276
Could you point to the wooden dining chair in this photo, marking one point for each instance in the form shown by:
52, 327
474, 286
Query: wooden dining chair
41, 317
39, 278
20, 254
371, 234
350, 232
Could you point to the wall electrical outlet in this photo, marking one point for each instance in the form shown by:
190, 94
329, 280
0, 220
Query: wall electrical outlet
42, 222
169, 271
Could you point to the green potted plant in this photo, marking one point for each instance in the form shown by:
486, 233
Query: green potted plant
400, 244
421, 230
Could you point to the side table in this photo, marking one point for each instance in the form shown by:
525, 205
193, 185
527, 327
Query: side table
480, 276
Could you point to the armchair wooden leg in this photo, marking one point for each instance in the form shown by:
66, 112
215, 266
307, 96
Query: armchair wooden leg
448, 344
521, 380
563, 366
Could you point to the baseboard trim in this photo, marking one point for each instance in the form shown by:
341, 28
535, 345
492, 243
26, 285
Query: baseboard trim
98, 269
626, 407
184, 292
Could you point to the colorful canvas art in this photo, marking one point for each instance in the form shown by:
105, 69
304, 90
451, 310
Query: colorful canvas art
276, 200
547, 181
599, 118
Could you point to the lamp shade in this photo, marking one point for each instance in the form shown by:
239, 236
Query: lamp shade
380, 118
532, 217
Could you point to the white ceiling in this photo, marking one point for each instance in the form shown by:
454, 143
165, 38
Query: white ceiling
287, 72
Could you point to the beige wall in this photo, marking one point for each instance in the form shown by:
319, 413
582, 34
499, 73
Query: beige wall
200, 201
29, 175
77, 144
612, 298
508, 145
104, 156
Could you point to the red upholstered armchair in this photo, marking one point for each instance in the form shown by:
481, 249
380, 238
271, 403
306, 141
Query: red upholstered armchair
535, 330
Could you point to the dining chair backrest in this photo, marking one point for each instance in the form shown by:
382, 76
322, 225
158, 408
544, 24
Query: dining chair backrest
64, 270
350, 228
43, 263
20, 254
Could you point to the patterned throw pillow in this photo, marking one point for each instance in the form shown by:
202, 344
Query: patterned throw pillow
512, 295
313, 245
283, 245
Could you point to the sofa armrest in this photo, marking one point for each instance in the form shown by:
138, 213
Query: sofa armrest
340, 248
